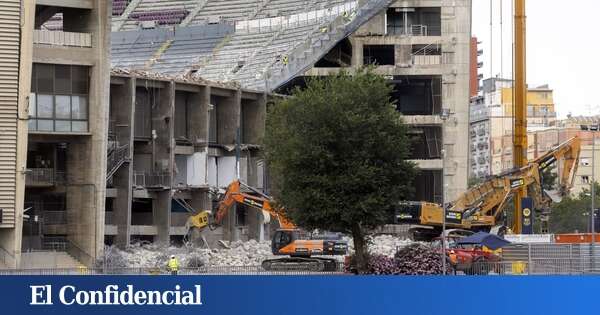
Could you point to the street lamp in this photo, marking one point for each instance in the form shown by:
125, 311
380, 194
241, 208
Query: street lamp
444, 116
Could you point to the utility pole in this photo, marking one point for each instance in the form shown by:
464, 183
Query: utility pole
520, 107
444, 116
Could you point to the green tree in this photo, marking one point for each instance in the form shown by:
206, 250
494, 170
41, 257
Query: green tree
572, 213
338, 154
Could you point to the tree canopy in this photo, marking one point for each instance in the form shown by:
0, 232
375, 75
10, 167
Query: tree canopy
571, 214
337, 151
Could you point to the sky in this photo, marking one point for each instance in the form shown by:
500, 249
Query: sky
563, 49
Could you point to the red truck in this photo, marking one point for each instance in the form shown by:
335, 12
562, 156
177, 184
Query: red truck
467, 258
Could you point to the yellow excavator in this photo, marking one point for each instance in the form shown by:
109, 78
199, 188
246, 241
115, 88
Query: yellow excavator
288, 240
480, 208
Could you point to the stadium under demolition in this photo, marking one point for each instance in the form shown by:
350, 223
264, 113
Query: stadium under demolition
135, 130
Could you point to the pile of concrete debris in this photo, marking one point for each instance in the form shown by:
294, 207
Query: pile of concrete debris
250, 253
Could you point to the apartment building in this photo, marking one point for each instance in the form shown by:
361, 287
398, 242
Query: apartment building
491, 124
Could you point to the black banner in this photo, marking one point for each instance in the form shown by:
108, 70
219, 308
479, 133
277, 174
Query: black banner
527, 215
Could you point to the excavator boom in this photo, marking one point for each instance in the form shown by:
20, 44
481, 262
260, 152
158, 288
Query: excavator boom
288, 240
480, 207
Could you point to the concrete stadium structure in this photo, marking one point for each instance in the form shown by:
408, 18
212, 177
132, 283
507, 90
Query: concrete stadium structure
99, 158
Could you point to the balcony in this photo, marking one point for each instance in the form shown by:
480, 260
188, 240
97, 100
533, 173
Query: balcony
43, 177
426, 60
60, 38
152, 180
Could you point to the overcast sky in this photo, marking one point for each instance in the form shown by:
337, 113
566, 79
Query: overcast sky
563, 49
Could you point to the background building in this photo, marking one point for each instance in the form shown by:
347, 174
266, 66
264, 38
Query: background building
491, 124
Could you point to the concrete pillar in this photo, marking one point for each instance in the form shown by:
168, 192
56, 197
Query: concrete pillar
253, 119
164, 158
228, 117
162, 125
123, 100
81, 198
403, 55
198, 117
357, 52
161, 216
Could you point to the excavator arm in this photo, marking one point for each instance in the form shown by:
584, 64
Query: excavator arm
481, 206
257, 200
494, 194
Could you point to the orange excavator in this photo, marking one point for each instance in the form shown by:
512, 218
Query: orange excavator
288, 240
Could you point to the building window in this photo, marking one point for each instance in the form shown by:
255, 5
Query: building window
585, 179
59, 98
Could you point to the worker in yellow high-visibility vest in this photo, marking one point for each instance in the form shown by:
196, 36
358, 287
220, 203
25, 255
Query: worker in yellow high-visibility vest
173, 265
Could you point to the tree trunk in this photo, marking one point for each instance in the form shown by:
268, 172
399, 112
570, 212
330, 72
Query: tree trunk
360, 248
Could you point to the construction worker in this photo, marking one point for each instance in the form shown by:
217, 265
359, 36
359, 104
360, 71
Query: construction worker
173, 265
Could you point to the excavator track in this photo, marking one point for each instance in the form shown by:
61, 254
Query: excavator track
313, 264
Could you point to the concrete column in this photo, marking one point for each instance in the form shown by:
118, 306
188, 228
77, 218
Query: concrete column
357, 52
228, 117
82, 198
86, 182
164, 158
403, 55
198, 117
255, 113
161, 216
162, 125
124, 105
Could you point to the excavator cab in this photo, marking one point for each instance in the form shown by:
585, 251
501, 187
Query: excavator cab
281, 239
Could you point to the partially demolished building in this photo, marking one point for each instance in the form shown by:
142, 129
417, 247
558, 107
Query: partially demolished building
116, 157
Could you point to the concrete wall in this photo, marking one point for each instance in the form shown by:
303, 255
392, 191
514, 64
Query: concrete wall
85, 183
11, 238
453, 68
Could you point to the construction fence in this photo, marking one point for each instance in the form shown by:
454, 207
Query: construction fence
541, 259
220, 270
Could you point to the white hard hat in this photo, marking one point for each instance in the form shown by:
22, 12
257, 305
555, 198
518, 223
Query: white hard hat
172, 256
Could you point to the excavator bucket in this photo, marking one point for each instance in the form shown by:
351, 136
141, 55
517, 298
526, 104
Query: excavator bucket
199, 220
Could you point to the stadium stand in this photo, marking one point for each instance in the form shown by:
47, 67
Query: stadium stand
163, 12
134, 49
119, 7
226, 10
236, 40
189, 46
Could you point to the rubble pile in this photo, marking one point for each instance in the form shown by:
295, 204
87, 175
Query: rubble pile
250, 253
387, 244
182, 78
411, 259
418, 259
239, 253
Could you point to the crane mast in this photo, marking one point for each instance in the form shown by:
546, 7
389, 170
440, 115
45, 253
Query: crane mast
520, 107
